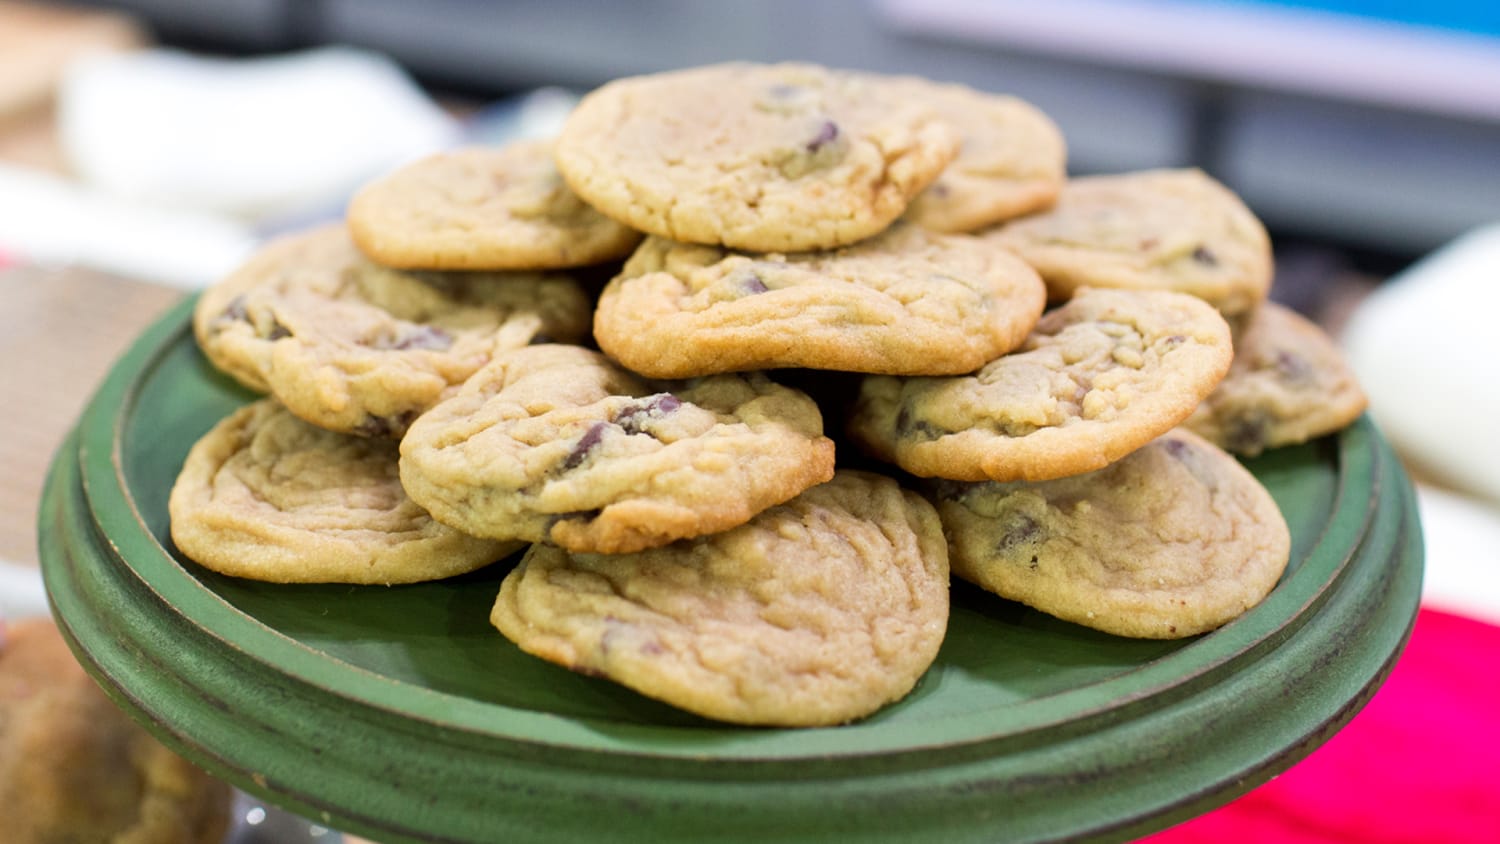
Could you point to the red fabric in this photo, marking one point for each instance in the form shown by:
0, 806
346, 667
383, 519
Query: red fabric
1420, 764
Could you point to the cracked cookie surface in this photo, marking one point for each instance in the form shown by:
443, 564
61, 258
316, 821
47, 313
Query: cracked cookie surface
815, 612
266, 496
1013, 159
1289, 383
1149, 230
766, 158
1173, 540
907, 301
483, 208
1096, 379
558, 444
355, 347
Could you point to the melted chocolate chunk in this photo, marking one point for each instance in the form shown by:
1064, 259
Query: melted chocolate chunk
383, 427
424, 337
235, 310
1293, 367
1190, 458
1247, 434
827, 134
585, 444
632, 418
906, 427
1018, 529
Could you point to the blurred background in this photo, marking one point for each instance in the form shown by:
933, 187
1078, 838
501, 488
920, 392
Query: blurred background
146, 146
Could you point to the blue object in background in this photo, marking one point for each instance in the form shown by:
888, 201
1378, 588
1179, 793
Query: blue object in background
1478, 17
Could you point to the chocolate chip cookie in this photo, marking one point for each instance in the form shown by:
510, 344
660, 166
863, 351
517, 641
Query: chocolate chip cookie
266, 496
1013, 160
557, 444
1151, 230
1173, 540
907, 301
483, 208
1098, 378
815, 612
74, 769
355, 347
765, 158
1288, 384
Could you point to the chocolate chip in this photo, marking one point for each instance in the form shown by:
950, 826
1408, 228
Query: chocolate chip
907, 427
753, 284
376, 427
424, 337
632, 418
1175, 339
1205, 256
1192, 460
585, 444
827, 134
1293, 367
1018, 529
235, 310
278, 331
946, 490
1247, 434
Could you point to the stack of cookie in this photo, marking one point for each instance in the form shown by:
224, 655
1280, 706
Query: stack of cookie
438, 399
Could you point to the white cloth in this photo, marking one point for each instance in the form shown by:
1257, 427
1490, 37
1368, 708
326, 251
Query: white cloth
253, 138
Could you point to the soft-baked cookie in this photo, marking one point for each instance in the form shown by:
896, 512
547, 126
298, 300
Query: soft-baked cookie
74, 769
1098, 378
817, 611
355, 347
483, 208
1173, 540
557, 444
266, 496
907, 301
766, 158
1152, 230
1288, 384
1013, 160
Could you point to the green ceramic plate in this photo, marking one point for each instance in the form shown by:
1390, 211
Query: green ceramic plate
399, 713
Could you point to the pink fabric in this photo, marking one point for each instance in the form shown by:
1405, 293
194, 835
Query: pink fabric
1419, 765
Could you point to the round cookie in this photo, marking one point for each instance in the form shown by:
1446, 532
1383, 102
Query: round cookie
1288, 384
1099, 377
815, 612
766, 158
355, 347
1013, 160
557, 444
266, 496
1173, 540
1152, 230
75, 768
483, 208
907, 301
